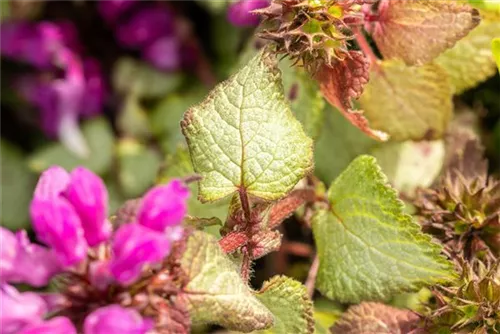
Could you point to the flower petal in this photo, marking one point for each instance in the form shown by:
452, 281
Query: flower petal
57, 325
51, 183
88, 195
135, 246
164, 206
105, 321
239, 13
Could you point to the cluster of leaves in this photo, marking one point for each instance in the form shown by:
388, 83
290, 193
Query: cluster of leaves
264, 143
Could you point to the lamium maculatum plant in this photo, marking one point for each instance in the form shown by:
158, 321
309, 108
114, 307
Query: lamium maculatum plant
325, 186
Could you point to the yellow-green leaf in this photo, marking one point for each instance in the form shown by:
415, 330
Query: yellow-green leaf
216, 294
368, 248
417, 31
288, 301
408, 102
470, 61
244, 136
495, 48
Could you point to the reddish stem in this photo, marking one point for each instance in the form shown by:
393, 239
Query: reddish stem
366, 48
311, 277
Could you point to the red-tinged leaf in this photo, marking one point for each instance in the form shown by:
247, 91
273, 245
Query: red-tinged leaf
417, 31
287, 206
233, 241
264, 243
344, 82
172, 315
376, 318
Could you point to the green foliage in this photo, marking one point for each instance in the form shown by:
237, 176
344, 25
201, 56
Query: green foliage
215, 293
287, 299
17, 187
369, 249
495, 48
244, 136
99, 137
408, 102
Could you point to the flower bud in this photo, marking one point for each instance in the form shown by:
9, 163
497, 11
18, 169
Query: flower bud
164, 206
57, 225
133, 247
88, 195
57, 325
114, 319
51, 183
18, 310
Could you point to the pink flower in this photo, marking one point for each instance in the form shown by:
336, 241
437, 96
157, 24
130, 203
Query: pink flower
18, 310
114, 319
57, 325
240, 13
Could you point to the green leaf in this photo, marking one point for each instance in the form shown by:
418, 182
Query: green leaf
408, 102
216, 7
376, 318
100, 139
130, 76
409, 165
470, 61
495, 48
436, 25
216, 293
287, 299
338, 144
244, 136
326, 312
369, 249
179, 165
138, 167
17, 184
305, 98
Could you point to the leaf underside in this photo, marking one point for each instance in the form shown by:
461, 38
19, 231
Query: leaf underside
369, 249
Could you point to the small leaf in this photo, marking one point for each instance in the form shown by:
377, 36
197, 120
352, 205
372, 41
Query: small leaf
138, 167
343, 83
288, 301
306, 100
376, 318
409, 164
408, 102
495, 48
470, 61
99, 136
369, 249
244, 136
216, 293
436, 25
18, 183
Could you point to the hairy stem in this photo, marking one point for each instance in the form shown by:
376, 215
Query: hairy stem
311, 276
246, 263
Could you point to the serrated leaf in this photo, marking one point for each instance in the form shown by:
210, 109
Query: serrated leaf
244, 136
408, 102
138, 167
288, 301
216, 293
409, 164
377, 318
436, 25
343, 83
369, 249
305, 98
339, 143
495, 49
470, 61
100, 139
17, 184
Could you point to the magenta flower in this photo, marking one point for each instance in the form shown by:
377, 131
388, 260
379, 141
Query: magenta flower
52, 183
135, 246
18, 310
164, 206
8, 249
114, 319
111, 10
88, 195
57, 325
240, 13
164, 53
145, 27
33, 264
